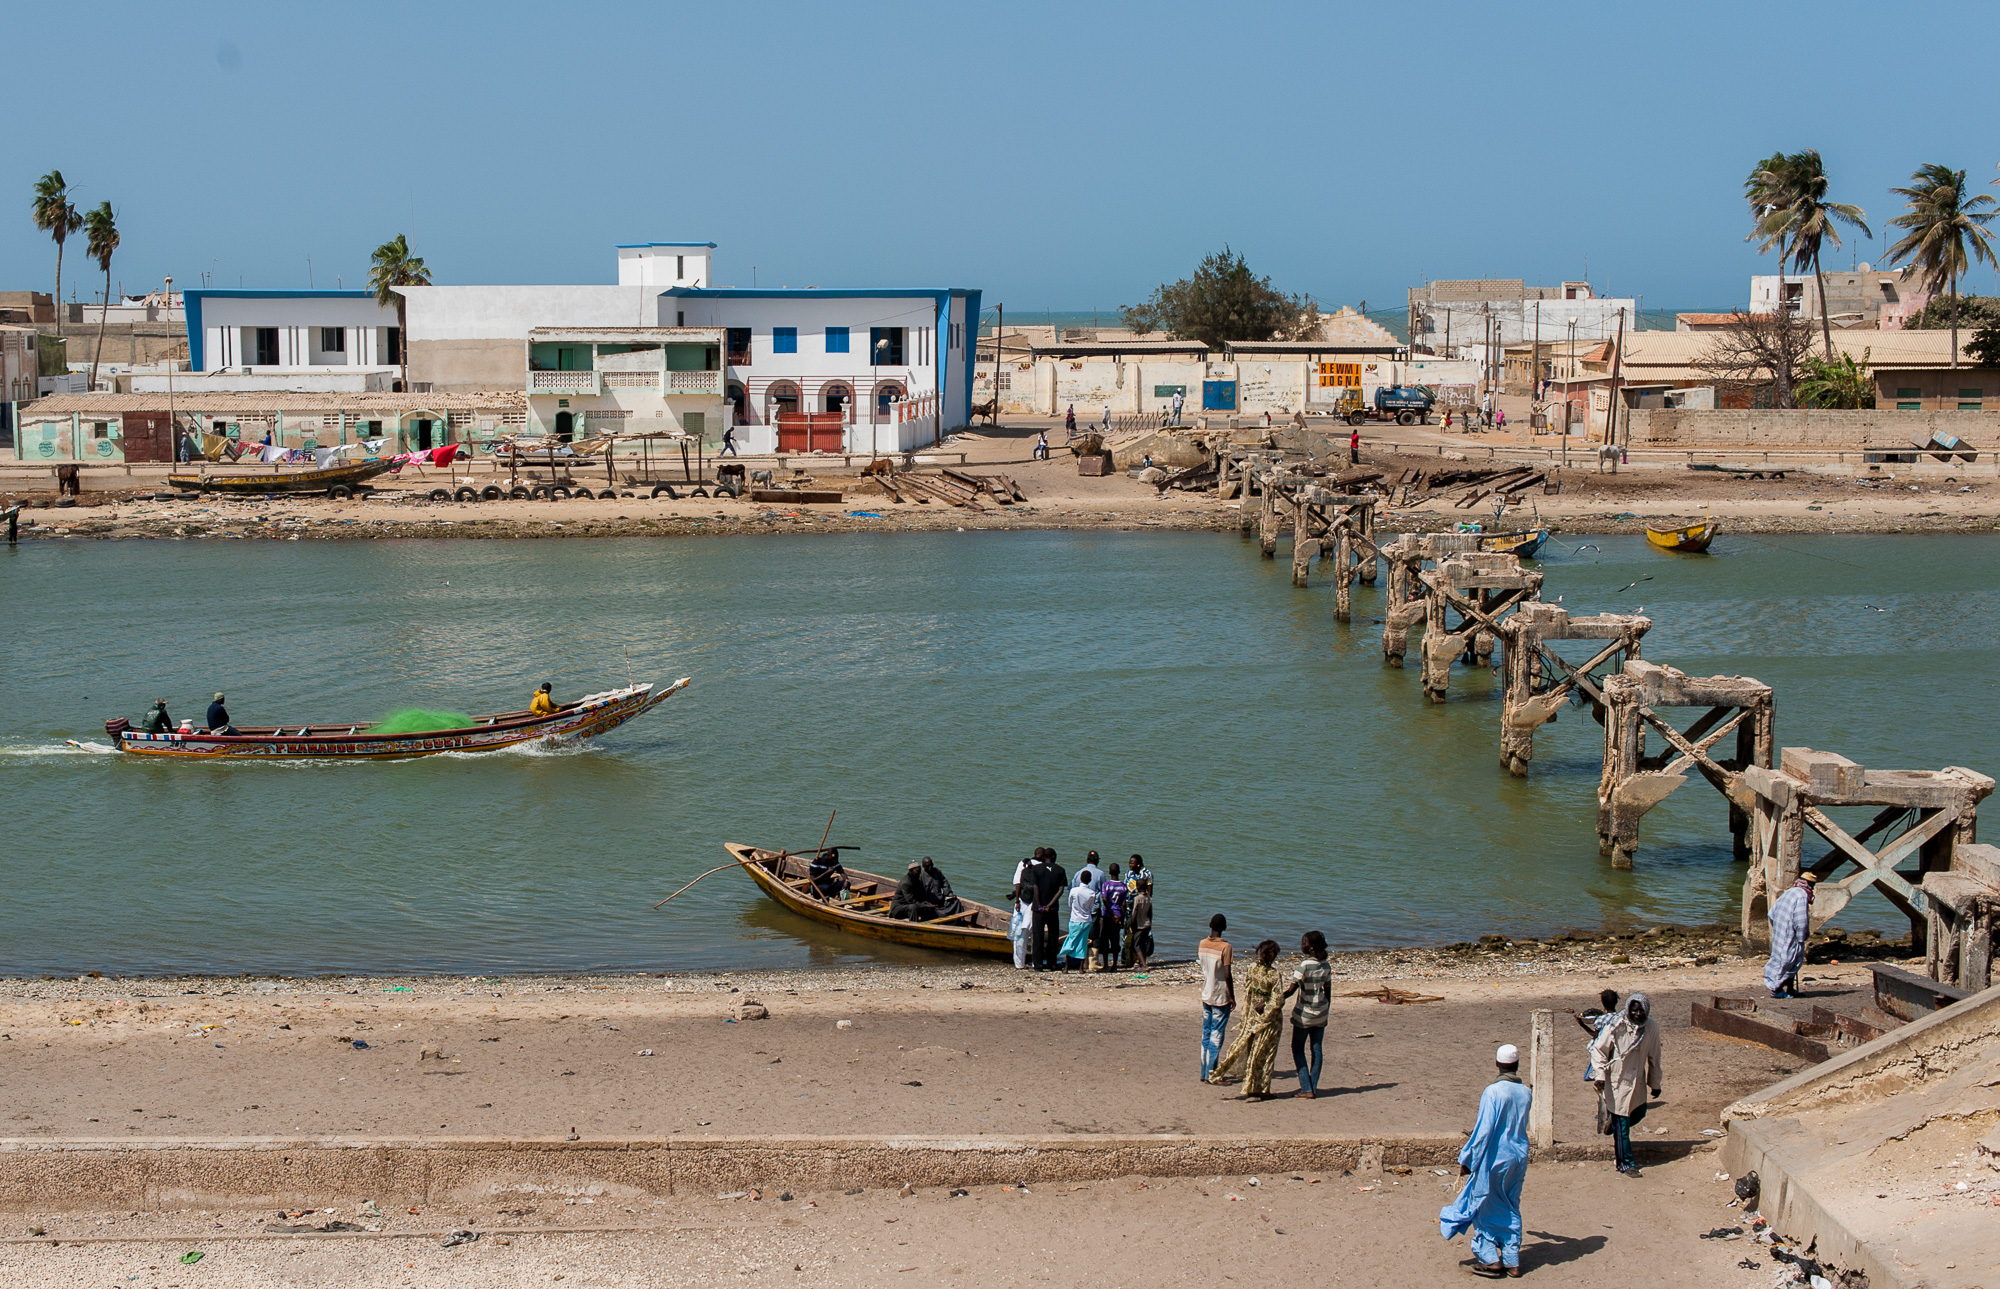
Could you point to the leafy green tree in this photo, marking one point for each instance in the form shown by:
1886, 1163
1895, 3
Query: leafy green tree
1797, 211
56, 216
1837, 382
101, 230
1984, 345
1223, 301
1945, 230
394, 266
1974, 311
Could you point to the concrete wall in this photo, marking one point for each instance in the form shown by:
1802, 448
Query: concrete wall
1279, 386
1890, 430
470, 364
665, 266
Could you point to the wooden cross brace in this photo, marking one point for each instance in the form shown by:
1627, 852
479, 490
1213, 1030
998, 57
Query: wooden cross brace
1471, 611
1877, 868
1693, 745
1579, 676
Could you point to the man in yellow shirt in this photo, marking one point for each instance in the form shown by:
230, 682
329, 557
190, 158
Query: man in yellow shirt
544, 703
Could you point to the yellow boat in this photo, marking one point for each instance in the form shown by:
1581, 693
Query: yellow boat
1693, 538
980, 928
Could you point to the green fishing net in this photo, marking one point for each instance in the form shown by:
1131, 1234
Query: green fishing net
416, 720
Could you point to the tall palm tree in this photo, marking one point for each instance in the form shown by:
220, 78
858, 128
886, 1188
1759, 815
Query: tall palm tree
1944, 227
102, 231
394, 267
1809, 220
1770, 190
56, 216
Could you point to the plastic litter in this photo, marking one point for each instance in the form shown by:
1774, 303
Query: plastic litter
360, 1045
192, 1256
457, 1238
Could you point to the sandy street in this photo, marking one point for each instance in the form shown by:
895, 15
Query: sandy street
526, 1057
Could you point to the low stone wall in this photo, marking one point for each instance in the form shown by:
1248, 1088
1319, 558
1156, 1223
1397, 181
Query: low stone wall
58, 1175
1807, 431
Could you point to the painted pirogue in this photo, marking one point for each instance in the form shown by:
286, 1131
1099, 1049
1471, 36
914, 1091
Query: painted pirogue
587, 716
337, 481
1693, 538
979, 928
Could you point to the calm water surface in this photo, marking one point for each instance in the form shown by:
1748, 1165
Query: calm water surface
962, 695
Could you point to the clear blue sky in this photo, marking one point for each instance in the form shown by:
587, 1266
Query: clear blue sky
1057, 156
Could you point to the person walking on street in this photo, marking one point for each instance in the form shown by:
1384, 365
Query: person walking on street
1218, 991
1107, 417
1313, 983
1069, 421
1791, 923
1256, 1042
1494, 1163
1627, 1057
728, 441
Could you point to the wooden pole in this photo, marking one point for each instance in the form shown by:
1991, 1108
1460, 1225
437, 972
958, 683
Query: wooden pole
829, 828
718, 868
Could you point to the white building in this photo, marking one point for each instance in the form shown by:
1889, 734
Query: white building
1478, 317
275, 334
876, 369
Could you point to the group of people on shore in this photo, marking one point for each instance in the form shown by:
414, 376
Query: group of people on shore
1110, 914
1623, 1067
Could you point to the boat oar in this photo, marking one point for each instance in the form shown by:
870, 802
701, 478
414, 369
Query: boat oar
718, 868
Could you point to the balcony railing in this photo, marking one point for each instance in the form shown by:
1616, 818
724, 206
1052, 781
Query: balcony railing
694, 382
564, 382
631, 380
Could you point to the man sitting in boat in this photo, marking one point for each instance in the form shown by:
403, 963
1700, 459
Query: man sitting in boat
157, 721
544, 703
828, 877
937, 889
912, 898
218, 718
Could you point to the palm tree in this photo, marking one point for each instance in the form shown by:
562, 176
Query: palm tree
1944, 225
1808, 219
102, 231
1770, 191
394, 267
55, 216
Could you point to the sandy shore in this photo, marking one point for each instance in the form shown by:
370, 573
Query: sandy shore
974, 1050
1813, 500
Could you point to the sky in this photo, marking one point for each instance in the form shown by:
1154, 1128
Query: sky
1055, 156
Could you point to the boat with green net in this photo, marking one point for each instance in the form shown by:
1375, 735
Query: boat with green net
403, 733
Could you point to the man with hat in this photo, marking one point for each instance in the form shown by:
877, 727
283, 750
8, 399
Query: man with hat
218, 718
1791, 923
1494, 1163
157, 721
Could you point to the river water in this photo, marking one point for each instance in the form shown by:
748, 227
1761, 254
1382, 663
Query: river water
964, 695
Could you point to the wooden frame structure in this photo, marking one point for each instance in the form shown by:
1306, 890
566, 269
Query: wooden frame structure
1528, 700
1938, 811
1482, 588
1962, 907
1633, 782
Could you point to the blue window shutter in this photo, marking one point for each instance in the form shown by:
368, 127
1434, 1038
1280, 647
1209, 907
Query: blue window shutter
784, 340
836, 340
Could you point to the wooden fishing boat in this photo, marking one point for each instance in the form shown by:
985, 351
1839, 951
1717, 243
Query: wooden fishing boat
1693, 538
1522, 544
587, 716
334, 480
980, 928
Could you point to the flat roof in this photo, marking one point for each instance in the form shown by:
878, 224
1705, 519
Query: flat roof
640, 246
619, 334
808, 292
1090, 348
1308, 347
200, 401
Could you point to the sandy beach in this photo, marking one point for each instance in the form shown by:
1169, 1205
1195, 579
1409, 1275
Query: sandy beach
1820, 499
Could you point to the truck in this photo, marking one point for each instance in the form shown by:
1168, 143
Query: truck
1403, 404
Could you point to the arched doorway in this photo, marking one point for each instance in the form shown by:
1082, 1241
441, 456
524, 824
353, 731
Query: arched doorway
782, 398
836, 396
565, 427
737, 413
886, 394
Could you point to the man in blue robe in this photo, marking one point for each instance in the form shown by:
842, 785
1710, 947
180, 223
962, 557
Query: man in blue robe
1791, 923
1495, 1162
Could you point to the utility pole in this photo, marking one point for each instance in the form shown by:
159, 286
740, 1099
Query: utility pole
1535, 369
1611, 405
999, 330
173, 430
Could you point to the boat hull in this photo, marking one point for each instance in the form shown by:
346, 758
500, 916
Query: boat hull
984, 933
1524, 545
1692, 539
584, 718
283, 481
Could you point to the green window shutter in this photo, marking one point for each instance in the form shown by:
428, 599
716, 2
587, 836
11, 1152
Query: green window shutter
1906, 392
1909, 407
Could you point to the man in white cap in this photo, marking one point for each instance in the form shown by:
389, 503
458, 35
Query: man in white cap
1494, 1163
